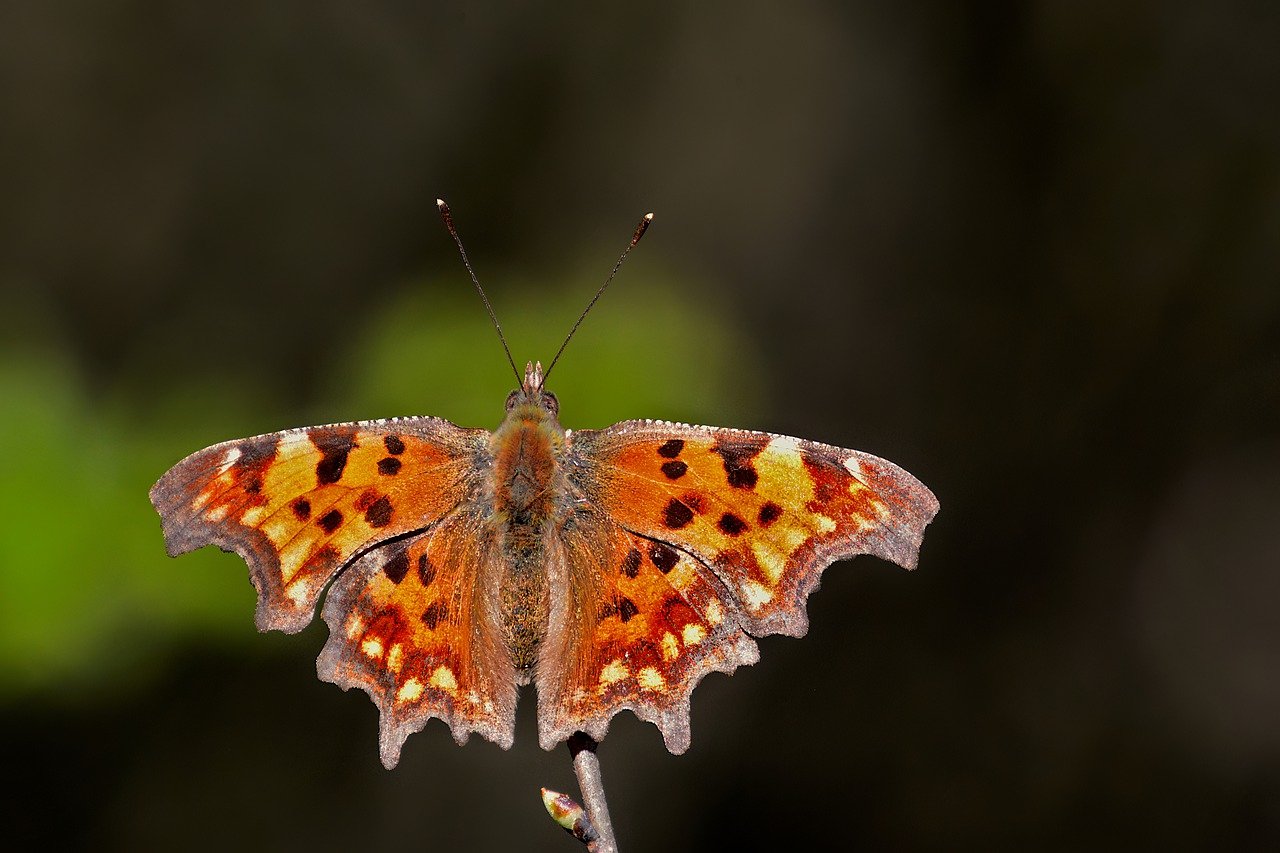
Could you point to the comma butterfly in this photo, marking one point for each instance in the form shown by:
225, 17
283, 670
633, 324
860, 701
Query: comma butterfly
612, 568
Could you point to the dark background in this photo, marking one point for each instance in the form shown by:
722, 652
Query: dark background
1027, 250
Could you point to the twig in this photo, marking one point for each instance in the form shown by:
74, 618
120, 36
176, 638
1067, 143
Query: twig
591, 825
587, 767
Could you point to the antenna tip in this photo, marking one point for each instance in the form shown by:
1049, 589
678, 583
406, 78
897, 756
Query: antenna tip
448, 223
640, 229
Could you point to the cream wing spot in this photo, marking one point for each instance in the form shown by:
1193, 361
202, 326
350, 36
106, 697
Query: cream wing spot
372, 647
298, 592
410, 691
295, 443
254, 514
613, 672
217, 513
714, 614
860, 491
650, 679
296, 552
277, 528
683, 574
693, 633
770, 559
442, 678
756, 594
781, 465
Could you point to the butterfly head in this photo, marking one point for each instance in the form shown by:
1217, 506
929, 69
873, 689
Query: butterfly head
530, 392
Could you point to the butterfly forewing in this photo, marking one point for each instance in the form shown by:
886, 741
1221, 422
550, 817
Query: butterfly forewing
299, 504
765, 513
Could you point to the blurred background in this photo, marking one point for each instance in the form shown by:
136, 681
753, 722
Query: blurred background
1027, 250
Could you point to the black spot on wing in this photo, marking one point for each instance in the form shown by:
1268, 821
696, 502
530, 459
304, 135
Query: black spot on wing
671, 448
379, 513
426, 570
664, 556
731, 524
674, 469
389, 466
330, 521
334, 445
631, 563
396, 566
627, 609
394, 444
737, 457
434, 614
302, 509
769, 513
676, 515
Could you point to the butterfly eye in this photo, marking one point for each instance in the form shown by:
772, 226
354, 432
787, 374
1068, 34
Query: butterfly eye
551, 403
511, 400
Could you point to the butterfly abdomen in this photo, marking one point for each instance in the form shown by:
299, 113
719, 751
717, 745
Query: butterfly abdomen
527, 477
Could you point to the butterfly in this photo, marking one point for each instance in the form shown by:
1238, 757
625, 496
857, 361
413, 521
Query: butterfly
611, 568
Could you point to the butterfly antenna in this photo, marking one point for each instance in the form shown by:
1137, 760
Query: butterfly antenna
635, 238
453, 232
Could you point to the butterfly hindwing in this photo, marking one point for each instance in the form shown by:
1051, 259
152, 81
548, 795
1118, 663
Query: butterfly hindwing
643, 622
299, 504
765, 513
414, 623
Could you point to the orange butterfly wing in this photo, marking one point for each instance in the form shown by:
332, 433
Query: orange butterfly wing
372, 500
643, 622
298, 504
415, 625
736, 525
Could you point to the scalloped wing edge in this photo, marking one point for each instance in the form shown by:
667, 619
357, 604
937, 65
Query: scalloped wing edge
900, 545
185, 530
393, 733
673, 722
